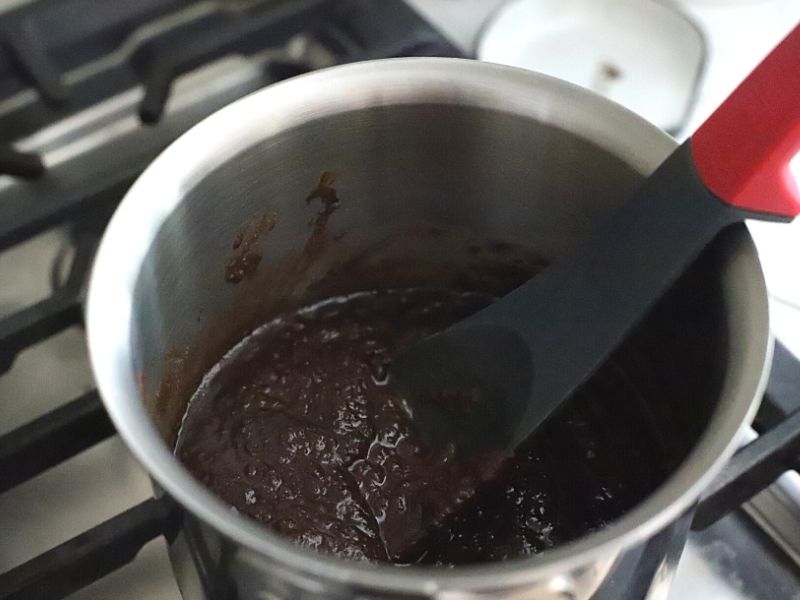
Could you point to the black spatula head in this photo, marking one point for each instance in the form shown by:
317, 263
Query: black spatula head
468, 385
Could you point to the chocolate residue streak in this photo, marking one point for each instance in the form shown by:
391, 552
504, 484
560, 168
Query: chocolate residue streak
140, 383
167, 407
245, 259
326, 193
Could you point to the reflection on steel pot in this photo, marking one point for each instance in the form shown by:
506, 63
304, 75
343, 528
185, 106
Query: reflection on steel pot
433, 156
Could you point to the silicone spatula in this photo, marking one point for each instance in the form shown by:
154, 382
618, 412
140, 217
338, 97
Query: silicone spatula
492, 379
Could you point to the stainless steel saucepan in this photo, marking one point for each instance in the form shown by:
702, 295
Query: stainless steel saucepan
430, 158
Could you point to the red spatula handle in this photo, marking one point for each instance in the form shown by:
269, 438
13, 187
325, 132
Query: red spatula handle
742, 152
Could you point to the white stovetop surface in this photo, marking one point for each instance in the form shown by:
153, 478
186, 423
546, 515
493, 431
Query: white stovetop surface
105, 480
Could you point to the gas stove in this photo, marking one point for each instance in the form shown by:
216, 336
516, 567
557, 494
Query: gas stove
89, 94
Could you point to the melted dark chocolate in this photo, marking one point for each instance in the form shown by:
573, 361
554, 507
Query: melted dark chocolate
298, 429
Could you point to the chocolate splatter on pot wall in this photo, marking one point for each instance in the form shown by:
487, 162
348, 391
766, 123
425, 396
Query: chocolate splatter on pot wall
325, 193
246, 255
246, 258
165, 409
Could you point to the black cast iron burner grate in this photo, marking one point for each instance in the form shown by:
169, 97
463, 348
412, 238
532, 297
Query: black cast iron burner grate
37, 54
42, 45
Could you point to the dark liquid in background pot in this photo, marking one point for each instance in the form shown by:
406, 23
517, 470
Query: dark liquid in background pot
297, 428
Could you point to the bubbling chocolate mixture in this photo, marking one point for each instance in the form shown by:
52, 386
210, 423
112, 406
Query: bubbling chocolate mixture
299, 428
